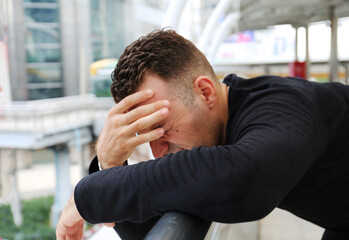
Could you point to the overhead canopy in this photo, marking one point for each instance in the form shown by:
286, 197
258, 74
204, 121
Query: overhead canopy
259, 14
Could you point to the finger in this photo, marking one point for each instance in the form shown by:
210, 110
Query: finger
146, 123
60, 232
131, 101
76, 232
110, 225
143, 111
147, 137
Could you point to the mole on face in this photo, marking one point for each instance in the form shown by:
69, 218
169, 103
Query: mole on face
177, 130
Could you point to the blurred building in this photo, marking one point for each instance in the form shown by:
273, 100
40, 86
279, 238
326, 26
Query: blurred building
51, 45
53, 42
48, 47
107, 28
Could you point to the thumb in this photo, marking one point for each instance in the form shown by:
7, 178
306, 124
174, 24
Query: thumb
110, 225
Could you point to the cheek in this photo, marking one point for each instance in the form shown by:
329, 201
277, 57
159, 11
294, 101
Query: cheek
159, 148
181, 136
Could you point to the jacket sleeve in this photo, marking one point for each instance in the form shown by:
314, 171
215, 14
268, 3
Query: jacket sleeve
275, 143
127, 230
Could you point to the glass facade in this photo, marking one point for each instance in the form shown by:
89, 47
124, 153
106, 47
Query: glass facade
41, 15
107, 38
40, 54
43, 93
44, 74
35, 35
43, 49
106, 30
42, 1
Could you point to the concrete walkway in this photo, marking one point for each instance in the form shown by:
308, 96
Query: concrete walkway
40, 180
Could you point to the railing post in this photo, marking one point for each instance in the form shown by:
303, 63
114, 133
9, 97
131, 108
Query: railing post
178, 226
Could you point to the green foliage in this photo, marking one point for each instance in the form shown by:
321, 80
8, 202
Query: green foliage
322, 80
36, 221
101, 87
7, 228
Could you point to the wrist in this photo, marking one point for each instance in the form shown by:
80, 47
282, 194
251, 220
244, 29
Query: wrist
72, 211
125, 163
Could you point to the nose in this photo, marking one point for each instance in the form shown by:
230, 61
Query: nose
159, 148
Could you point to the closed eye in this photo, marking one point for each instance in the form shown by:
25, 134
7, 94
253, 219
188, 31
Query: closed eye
149, 129
166, 132
157, 126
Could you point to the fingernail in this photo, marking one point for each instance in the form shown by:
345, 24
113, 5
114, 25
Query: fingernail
164, 111
166, 103
150, 92
161, 131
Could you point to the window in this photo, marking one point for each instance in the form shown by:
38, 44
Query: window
46, 35
43, 49
43, 15
42, 93
43, 54
44, 74
41, 1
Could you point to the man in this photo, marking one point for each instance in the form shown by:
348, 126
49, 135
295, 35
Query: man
227, 152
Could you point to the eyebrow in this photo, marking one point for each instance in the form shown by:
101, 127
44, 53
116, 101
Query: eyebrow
157, 126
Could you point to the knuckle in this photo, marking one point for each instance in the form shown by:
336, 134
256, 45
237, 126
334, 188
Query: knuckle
112, 117
127, 102
114, 109
127, 118
121, 147
138, 125
136, 112
122, 133
110, 113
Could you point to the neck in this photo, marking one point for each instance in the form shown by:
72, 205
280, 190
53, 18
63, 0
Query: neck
223, 109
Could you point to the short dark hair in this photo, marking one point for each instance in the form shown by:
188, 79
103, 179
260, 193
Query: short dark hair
165, 54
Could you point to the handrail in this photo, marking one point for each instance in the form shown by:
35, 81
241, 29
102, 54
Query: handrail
178, 226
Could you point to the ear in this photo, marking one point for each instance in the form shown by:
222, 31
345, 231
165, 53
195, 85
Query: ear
206, 90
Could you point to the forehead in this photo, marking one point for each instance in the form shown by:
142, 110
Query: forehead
157, 85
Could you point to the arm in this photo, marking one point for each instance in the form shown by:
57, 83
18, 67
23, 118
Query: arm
116, 143
71, 223
275, 145
127, 230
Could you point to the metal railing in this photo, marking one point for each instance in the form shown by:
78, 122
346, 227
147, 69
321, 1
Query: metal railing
178, 226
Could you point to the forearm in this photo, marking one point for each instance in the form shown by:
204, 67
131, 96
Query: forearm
243, 181
212, 187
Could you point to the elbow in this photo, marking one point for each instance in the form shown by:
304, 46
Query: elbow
258, 206
245, 211
258, 211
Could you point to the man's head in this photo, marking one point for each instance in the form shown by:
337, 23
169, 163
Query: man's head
175, 70
163, 53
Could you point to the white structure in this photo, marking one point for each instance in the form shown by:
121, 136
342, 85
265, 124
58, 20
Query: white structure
60, 124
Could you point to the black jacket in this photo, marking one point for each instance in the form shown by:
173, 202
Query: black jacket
287, 146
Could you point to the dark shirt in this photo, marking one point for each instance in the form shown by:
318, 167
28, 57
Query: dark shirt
287, 146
